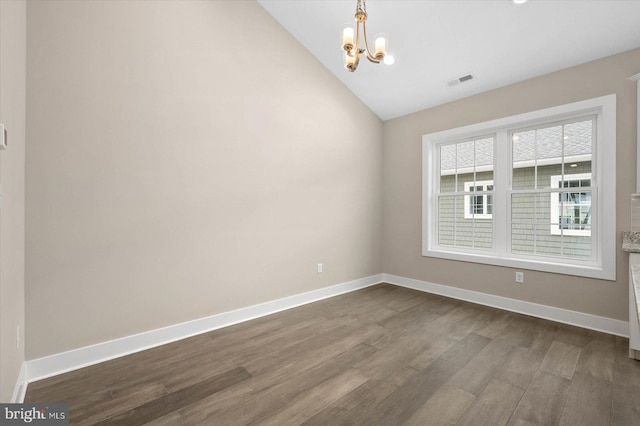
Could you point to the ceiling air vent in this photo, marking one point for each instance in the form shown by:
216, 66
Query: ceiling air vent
461, 79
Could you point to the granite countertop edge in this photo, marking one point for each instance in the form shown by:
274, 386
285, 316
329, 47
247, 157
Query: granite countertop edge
631, 242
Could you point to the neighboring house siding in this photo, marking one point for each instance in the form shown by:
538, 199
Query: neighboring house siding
455, 230
526, 234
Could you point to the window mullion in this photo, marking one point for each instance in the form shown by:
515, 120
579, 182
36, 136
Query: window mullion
596, 177
502, 197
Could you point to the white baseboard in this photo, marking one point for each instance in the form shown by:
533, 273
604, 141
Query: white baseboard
565, 316
63, 362
21, 385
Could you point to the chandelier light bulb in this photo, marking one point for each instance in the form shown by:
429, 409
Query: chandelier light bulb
347, 38
380, 46
350, 62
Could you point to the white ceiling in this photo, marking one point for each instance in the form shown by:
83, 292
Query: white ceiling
438, 40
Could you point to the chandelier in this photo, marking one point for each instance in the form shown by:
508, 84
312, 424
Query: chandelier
351, 42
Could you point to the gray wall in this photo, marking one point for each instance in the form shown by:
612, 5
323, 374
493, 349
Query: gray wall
12, 164
185, 159
402, 228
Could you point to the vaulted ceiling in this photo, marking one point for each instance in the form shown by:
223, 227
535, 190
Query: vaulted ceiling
436, 41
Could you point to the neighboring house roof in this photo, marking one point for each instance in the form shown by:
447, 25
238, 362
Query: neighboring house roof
544, 145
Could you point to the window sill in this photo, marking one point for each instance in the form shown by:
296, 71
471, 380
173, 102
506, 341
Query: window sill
581, 269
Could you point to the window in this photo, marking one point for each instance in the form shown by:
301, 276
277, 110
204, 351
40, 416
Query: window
465, 200
547, 213
478, 206
527, 191
573, 209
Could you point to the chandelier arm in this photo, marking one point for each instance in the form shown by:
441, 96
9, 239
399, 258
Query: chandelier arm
356, 46
366, 44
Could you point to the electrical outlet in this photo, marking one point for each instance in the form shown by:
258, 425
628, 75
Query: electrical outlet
319, 268
520, 277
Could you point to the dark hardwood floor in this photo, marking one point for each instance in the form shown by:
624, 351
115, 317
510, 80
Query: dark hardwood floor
384, 355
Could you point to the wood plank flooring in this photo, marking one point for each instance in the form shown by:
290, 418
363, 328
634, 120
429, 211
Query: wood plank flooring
384, 355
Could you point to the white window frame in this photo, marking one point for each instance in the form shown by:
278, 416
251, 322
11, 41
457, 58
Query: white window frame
602, 265
485, 196
555, 205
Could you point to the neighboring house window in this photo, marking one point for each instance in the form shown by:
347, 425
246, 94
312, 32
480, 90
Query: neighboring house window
572, 208
479, 204
534, 191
